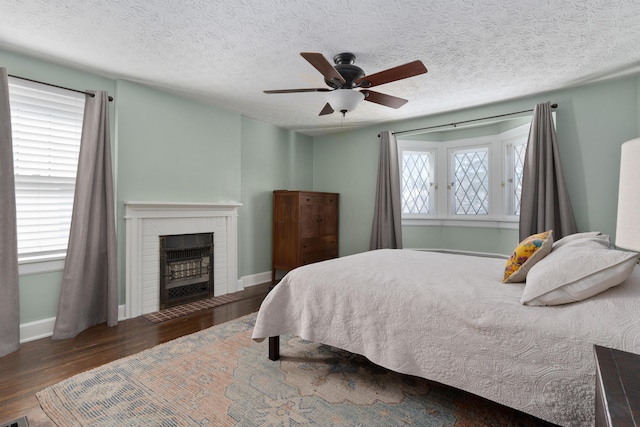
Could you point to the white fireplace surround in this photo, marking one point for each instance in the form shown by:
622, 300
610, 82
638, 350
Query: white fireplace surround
147, 221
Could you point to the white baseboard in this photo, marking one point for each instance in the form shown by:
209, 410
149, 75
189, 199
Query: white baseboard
44, 328
256, 279
35, 330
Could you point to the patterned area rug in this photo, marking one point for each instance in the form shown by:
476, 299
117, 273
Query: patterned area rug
192, 307
219, 377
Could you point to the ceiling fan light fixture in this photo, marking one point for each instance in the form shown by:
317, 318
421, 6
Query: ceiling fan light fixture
344, 100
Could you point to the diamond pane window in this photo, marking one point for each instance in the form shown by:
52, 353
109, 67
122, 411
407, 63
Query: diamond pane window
518, 169
416, 182
470, 181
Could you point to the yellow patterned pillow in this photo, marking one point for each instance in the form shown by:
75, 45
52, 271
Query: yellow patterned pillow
526, 254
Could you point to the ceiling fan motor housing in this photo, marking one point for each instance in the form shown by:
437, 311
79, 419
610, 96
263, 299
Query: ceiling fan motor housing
344, 66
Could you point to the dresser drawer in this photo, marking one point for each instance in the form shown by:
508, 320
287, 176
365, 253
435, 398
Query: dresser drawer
318, 244
318, 199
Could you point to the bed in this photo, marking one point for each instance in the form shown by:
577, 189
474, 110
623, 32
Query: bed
449, 318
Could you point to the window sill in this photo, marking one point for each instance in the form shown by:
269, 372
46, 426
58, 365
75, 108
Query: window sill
37, 265
509, 224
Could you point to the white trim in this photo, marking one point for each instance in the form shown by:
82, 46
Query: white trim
37, 266
149, 219
256, 279
175, 209
44, 328
508, 224
35, 330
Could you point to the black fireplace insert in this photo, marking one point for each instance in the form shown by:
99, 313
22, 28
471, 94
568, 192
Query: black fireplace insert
186, 268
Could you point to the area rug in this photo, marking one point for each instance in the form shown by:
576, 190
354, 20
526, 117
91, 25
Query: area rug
192, 307
219, 377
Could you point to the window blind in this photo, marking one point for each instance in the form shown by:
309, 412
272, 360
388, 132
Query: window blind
46, 125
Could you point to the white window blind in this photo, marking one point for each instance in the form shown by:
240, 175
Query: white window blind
47, 125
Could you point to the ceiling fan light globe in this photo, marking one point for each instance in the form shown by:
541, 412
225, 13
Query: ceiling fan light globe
344, 100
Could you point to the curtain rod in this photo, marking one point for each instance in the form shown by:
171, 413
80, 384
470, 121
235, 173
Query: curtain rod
466, 121
59, 87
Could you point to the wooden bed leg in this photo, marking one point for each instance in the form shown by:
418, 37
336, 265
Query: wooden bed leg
274, 348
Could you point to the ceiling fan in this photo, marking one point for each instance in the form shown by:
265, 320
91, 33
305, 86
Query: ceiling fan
344, 77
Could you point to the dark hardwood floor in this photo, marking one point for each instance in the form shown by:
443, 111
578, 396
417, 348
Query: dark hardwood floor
39, 364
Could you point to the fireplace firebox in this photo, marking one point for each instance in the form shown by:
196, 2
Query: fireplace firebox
186, 263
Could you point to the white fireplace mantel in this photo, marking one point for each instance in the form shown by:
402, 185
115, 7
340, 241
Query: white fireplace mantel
147, 221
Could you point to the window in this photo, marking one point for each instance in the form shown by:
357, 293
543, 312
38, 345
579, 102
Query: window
46, 125
470, 181
417, 178
514, 160
483, 176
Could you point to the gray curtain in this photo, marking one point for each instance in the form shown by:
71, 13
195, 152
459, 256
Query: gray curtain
386, 231
545, 201
89, 292
9, 300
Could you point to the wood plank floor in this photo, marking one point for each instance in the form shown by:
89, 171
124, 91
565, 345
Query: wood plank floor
39, 364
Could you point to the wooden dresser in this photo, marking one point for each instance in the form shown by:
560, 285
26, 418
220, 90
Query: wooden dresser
305, 228
617, 388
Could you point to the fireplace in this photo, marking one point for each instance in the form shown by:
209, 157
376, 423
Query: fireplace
147, 221
186, 263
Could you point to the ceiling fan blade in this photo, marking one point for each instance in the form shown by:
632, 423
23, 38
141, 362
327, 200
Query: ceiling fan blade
316, 89
326, 110
383, 99
392, 74
321, 64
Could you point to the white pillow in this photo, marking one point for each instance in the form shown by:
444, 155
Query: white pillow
574, 273
601, 241
575, 237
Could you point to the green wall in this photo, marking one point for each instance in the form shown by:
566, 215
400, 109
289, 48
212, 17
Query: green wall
39, 295
168, 148
221, 156
173, 149
592, 122
272, 159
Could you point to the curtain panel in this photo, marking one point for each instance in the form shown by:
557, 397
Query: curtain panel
544, 199
386, 230
10, 301
89, 292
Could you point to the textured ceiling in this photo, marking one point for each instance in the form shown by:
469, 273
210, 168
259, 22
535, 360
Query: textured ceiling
225, 53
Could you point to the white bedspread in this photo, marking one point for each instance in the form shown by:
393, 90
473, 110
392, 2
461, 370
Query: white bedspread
448, 318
